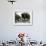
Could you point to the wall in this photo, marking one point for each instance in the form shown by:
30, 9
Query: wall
9, 31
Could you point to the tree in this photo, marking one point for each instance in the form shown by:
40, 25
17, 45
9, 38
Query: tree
25, 16
17, 18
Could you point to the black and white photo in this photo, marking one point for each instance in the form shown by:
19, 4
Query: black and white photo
23, 18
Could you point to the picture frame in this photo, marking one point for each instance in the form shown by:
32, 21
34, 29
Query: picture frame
23, 18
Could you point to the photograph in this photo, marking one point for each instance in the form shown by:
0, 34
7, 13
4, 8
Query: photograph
23, 18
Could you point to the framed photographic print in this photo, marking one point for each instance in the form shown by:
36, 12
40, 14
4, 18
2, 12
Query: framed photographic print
23, 18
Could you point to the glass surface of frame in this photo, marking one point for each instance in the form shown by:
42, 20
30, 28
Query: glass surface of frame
23, 18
